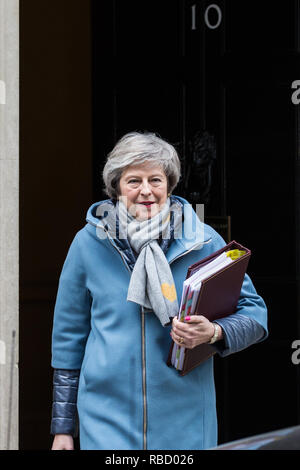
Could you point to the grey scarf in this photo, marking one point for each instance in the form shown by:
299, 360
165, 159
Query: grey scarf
151, 285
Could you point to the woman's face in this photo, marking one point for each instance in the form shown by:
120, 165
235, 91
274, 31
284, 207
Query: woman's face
144, 190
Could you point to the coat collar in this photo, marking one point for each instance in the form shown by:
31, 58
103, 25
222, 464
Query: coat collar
193, 233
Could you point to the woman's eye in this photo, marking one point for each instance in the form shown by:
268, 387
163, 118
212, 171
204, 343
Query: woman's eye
156, 180
136, 181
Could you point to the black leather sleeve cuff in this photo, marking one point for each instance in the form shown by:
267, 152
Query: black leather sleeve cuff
239, 332
64, 408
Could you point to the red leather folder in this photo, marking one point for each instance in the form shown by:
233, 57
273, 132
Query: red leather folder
218, 298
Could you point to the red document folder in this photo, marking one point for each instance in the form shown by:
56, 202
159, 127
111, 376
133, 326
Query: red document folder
218, 298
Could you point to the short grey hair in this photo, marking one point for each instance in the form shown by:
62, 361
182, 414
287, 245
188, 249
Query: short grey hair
135, 148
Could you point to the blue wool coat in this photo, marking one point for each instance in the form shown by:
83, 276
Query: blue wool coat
128, 398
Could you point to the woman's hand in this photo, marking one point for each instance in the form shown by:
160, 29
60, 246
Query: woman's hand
195, 330
63, 442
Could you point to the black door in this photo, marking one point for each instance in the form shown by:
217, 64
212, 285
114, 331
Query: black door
219, 81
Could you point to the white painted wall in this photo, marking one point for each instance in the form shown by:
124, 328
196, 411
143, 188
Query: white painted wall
9, 222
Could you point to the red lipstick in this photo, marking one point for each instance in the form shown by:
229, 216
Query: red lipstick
147, 203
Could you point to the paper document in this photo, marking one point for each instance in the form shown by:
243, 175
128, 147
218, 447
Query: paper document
190, 294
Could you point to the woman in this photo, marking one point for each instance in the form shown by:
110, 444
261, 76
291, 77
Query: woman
116, 307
